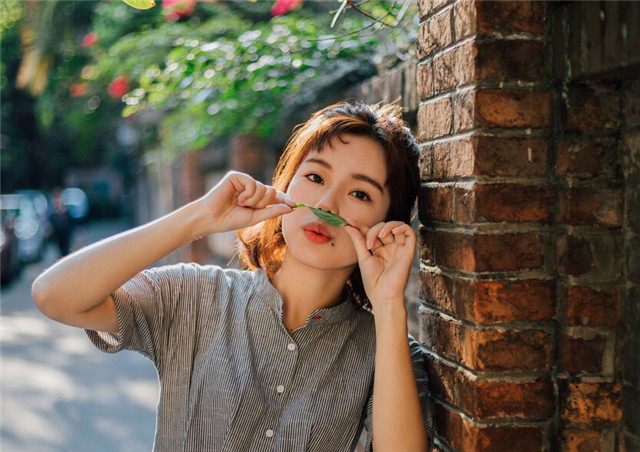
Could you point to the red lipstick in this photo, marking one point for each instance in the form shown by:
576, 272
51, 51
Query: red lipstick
316, 233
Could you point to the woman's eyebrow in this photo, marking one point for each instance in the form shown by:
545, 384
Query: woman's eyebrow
357, 176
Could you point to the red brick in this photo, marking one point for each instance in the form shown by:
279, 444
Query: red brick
442, 379
425, 80
441, 334
582, 440
425, 162
590, 403
424, 8
435, 33
435, 204
596, 254
574, 255
513, 350
505, 301
448, 423
455, 250
511, 17
464, 18
513, 108
436, 289
581, 355
591, 206
578, 159
454, 67
510, 60
590, 307
512, 203
592, 107
453, 158
464, 111
496, 399
508, 252
434, 119
500, 439
426, 245
486, 156
489, 252
517, 157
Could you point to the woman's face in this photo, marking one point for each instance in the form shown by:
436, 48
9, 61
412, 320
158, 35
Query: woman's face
347, 178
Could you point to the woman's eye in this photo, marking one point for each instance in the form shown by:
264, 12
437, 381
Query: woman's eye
314, 178
363, 196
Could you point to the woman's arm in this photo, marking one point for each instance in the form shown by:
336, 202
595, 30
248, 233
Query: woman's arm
398, 422
77, 289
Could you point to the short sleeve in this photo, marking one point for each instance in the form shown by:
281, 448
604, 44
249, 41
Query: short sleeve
418, 362
156, 308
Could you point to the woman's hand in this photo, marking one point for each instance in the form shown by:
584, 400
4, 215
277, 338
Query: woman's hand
239, 201
385, 254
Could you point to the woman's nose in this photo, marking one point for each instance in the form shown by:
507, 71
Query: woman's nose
328, 203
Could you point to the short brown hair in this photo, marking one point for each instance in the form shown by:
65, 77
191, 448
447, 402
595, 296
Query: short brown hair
263, 245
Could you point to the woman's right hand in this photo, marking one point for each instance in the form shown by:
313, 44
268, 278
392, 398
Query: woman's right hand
240, 201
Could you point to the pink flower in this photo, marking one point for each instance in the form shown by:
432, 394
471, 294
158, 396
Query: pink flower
78, 89
90, 39
173, 10
119, 87
281, 7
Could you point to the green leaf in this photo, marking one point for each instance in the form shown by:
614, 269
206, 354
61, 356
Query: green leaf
140, 4
331, 218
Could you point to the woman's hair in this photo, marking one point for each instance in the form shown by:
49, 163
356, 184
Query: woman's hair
263, 245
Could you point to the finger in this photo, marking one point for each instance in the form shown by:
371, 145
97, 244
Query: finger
283, 198
258, 193
247, 189
386, 235
373, 241
358, 239
272, 211
359, 226
405, 235
267, 199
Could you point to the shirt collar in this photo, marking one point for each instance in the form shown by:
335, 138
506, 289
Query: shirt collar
271, 297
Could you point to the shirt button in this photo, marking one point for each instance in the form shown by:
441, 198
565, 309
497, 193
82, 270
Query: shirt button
291, 346
269, 433
280, 389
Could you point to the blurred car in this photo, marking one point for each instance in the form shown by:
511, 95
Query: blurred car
10, 264
77, 203
41, 204
31, 232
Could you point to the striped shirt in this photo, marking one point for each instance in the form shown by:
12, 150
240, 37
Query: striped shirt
233, 378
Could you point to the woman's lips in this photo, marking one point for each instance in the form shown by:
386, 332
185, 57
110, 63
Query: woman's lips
317, 233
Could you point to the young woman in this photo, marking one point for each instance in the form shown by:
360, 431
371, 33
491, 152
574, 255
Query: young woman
308, 345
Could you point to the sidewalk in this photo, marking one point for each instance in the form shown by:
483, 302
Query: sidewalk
59, 393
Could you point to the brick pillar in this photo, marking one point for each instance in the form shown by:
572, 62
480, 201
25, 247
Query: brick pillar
526, 247
487, 208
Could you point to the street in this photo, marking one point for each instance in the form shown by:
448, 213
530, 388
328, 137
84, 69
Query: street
59, 393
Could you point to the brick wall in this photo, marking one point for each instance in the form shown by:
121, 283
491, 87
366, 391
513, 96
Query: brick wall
524, 255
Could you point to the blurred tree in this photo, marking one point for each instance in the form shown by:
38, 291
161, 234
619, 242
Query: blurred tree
202, 69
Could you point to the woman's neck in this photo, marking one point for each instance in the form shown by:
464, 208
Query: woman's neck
304, 290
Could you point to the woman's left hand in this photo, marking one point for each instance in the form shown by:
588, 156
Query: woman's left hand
385, 254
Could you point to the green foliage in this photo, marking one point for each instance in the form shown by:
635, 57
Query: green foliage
227, 68
223, 73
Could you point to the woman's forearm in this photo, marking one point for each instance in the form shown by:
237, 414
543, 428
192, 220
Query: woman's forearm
398, 423
85, 279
